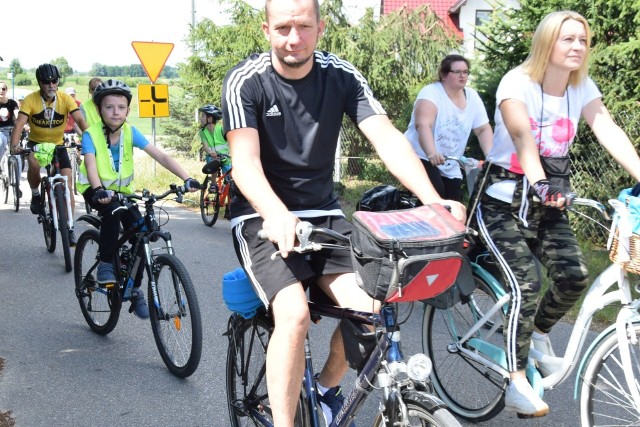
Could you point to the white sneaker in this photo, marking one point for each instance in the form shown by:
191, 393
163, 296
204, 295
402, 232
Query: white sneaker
521, 398
542, 343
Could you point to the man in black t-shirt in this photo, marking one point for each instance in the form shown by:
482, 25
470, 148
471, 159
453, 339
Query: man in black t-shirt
282, 116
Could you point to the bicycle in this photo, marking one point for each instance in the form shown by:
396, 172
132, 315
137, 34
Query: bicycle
407, 396
74, 158
173, 303
54, 213
465, 341
215, 191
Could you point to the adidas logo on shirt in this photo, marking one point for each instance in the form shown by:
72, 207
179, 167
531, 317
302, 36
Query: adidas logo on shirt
273, 112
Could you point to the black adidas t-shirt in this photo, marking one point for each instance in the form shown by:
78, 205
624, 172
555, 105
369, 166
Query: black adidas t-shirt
298, 122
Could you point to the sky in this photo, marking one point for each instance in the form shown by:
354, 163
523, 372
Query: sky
86, 32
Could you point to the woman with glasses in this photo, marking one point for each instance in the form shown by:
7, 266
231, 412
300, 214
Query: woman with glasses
521, 213
444, 114
8, 110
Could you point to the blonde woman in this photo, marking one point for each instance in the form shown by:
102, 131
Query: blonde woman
521, 214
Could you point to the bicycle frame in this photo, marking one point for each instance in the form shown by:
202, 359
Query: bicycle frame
598, 296
223, 183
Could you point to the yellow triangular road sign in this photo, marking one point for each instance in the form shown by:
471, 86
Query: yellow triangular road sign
152, 56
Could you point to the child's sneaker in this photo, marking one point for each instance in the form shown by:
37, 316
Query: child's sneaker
106, 274
139, 305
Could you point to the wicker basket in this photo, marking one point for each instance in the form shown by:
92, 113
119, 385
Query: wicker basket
631, 265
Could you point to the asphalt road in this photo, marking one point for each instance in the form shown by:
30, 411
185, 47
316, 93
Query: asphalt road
59, 373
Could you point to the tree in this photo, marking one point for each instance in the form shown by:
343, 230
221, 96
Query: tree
63, 67
395, 53
15, 67
506, 38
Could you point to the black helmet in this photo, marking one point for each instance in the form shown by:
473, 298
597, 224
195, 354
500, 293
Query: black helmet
212, 110
47, 72
111, 87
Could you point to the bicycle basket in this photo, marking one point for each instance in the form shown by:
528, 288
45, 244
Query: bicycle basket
406, 255
625, 237
238, 293
44, 153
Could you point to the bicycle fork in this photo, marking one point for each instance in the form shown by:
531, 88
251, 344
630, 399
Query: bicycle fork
626, 340
53, 183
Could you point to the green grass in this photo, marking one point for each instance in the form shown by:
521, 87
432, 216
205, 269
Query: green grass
157, 179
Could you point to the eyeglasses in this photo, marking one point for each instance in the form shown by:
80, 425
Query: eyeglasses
50, 82
460, 73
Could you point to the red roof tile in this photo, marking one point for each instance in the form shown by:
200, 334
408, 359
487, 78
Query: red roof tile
440, 7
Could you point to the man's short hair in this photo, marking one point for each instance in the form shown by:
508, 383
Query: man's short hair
316, 6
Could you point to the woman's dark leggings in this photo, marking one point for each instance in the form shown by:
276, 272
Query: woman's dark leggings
447, 188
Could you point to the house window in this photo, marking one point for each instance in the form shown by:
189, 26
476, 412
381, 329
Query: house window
482, 16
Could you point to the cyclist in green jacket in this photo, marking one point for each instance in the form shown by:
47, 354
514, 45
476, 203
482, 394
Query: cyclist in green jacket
213, 141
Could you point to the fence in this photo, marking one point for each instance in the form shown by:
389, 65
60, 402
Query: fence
595, 174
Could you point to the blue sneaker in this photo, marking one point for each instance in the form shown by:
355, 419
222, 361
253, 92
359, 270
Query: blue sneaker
106, 275
139, 305
331, 402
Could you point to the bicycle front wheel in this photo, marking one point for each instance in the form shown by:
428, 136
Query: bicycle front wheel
100, 305
421, 413
4, 183
176, 323
46, 219
469, 388
14, 181
209, 202
605, 398
61, 207
247, 397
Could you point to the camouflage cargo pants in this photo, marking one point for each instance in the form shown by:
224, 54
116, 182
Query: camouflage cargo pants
514, 246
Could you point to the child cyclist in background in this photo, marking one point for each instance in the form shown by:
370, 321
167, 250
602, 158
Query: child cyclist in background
213, 141
108, 166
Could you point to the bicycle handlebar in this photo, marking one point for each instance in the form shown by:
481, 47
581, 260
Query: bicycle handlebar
148, 197
305, 232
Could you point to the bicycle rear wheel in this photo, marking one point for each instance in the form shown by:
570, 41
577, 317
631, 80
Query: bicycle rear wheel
605, 398
14, 181
100, 305
247, 397
46, 219
209, 202
61, 207
470, 389
176, 322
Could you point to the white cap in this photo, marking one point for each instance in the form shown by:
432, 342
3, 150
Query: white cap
70, 91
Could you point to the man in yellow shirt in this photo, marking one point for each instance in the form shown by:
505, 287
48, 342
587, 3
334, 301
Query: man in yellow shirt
46, 112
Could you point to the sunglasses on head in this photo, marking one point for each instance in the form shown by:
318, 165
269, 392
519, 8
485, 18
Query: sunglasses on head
50, 82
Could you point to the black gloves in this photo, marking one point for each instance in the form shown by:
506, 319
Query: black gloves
547, 192
99, 193
191, 184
